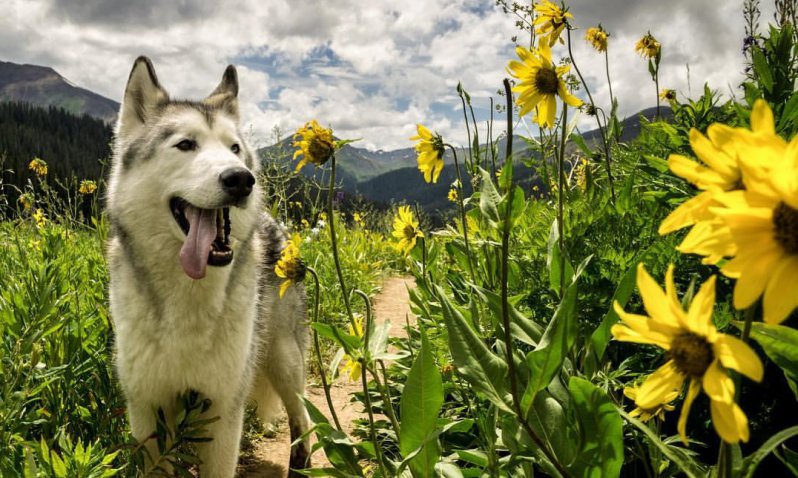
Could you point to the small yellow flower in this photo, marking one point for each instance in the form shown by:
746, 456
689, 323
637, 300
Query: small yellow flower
597, 37
87, 186
452, 196
430, 153
647, 414
541, 82
648, 47
316, 144
290, 266
39, 217
696, 353
405, 228
357, 218
667, 94
352, 367
38, 166
26, 201
550, 20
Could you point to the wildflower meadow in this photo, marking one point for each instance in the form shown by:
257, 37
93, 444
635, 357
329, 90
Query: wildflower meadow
631, 310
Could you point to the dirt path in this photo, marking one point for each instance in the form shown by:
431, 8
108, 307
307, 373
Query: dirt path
271, 454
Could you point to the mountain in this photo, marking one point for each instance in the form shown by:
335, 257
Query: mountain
43, 86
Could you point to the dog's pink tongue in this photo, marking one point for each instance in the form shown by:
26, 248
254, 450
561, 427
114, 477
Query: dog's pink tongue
201, 233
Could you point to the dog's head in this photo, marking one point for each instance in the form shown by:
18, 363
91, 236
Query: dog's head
183, 171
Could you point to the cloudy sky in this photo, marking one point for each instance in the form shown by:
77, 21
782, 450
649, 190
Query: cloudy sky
370, 69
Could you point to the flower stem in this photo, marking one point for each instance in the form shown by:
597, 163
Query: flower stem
462, 213
317, 347
609, 82
334, 242
505, 309
560, 193
601, 128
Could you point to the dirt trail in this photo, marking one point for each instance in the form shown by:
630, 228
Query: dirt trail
270, 459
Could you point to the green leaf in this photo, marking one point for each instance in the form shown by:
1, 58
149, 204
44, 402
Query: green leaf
679, 458
751, 462
350, 343
506, 176
601, 336
579, 140
489, 199
486, 372
762, 69
420, 405
601, 429
780, 344
547, 359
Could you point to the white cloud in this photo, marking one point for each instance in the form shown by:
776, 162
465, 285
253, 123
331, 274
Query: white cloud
388, 65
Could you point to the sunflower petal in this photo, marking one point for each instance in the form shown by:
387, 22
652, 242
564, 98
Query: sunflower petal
658, 385
717, 384
735, 354
692, 392
730, 422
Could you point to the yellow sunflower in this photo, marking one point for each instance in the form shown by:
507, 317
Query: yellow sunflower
695, 351
405, 228
38, 166
648, 47
597, 37
87, 186
25, 200
290, 266
667, 94
763, 223
452, 196
315, 144
352, 367
540, 84
430, 153
658, 411
40, 218
550, 21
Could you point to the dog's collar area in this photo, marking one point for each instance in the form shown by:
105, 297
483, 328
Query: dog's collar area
220, 254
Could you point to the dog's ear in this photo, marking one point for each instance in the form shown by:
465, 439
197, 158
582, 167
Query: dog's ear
143, 95
225, 96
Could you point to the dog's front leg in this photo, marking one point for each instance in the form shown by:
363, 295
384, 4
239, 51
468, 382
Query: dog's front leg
220, 455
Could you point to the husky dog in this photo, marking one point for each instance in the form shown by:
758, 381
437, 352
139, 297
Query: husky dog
193, 294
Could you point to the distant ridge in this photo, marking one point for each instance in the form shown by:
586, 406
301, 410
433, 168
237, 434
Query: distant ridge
43, 86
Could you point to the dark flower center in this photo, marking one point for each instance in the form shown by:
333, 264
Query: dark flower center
320, 151
691, 354
409, 231
546, 81
785, 227
295, 270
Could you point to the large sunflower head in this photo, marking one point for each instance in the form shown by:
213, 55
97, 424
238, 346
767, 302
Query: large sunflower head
695, 351
314, 143
290, 266
540, 83
405, 229
597, 37
648, 47
430, 153
550, 21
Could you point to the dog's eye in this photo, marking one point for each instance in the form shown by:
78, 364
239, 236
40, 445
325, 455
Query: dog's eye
235, 149
186, 145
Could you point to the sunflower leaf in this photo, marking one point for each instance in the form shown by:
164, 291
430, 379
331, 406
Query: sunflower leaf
780, 344
601, 438
751, 462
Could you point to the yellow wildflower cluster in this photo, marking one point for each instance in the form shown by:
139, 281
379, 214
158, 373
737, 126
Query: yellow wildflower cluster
26, 201
352, 367
38, 166
550, 21
87, 186
40, 218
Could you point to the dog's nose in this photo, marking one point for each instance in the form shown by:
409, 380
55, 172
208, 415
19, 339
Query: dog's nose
237, 182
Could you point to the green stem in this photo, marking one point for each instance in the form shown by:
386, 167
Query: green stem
602, 131
508, 341
468, 128
462, 213
609, 82
334, 241
317, 347
560, 195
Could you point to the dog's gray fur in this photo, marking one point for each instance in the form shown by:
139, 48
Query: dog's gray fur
228, 335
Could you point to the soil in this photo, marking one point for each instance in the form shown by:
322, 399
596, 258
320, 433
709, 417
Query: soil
270, 457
